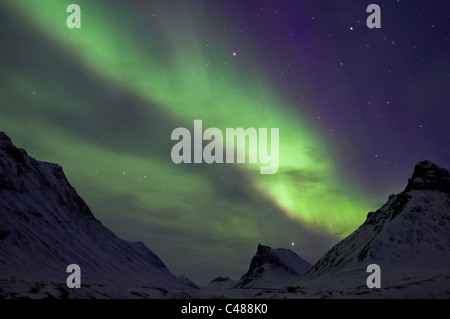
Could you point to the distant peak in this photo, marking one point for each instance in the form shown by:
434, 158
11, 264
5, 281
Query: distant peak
221, 279
429, 176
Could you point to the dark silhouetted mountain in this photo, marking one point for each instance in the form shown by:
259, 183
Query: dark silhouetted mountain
410, 234
45, 226
429, 177
221, 283
187, 281
273, 267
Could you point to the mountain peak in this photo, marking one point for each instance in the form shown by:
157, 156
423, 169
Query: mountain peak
221, 279
8, 150
269, 266
409, 231
221, 283
3, 136
45, 226
429, 176
267, 255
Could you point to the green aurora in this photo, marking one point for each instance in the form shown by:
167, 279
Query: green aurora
103, 100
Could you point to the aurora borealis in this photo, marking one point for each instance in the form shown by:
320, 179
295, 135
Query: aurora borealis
356, 108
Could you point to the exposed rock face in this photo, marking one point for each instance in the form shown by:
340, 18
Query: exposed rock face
410, 233
429, 176
273, 266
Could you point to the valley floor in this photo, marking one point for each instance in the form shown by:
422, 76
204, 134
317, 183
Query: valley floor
436, 286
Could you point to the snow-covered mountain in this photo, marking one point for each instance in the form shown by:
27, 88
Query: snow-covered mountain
408, 237
409, 234
221, 283
272, 268
45, 226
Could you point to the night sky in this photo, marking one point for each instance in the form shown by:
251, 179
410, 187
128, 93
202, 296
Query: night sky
356, 109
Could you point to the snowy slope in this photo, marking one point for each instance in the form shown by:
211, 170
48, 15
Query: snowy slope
409, 234
45, 226
221, 283
408, 237
273, 267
